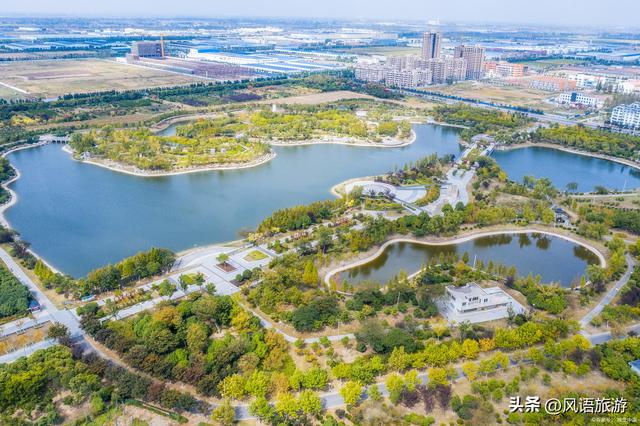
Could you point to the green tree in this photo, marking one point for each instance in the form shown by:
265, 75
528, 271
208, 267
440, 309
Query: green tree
395, 386
310, 403
438, 376
310, 275
287, 405
351, 392
470, 348
597, 275
223, 414
197, 337
232, 387
261, 409
374, 393
470, 369
316, 378
258, 384
399, 360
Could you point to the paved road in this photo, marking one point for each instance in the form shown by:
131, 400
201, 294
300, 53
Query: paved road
35, 319
611, 294
633, 193
49, 310
550, 118
597, 339
63, 316
26, 351
289, 338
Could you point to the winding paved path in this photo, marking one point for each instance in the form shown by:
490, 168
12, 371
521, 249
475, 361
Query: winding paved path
612, 293
50, 310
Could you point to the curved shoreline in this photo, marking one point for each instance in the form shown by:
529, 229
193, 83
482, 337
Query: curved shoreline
394, 143
14, 198
623, 161
458, 240
137, 172
134, 171
6, 184
164, 124
344, 183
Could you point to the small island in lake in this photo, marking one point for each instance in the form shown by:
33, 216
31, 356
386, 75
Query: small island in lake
205, 144
235, 140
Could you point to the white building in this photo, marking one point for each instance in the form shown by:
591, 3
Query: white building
575, 98
474, 304
626, 116
370, 73
413, 71
631, 86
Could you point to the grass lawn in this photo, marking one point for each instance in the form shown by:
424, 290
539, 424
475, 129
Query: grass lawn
623, 201
9, 94
255, 255
57, 77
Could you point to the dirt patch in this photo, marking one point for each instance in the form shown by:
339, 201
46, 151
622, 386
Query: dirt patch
226, 267
49, 79
20, 340
49, 75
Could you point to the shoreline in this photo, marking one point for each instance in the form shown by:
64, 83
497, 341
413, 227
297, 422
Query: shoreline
6, 184
14, 198
134, 171
392, 143
164, 124
457, 240
623, 161
344, 183
333, 191
263, 160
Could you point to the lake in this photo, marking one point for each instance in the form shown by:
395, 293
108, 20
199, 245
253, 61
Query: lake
79, 216
563, 167
554, 258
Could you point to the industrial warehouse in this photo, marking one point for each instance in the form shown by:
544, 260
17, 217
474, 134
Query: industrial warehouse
231, 63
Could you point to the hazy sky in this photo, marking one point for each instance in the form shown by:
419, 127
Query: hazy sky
562, 12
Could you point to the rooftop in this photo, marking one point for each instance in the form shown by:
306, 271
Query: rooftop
468, 289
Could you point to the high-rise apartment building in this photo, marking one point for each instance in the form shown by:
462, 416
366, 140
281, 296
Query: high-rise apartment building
370, 73
626, 115
474, 55
431, 45
447, 70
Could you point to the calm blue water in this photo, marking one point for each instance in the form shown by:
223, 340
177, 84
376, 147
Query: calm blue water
555, 259
564, 167
79, 216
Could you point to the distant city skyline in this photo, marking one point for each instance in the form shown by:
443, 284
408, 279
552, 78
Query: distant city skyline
570, 13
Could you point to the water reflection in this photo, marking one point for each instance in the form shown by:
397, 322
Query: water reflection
79, 216
553, 258
564, 167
